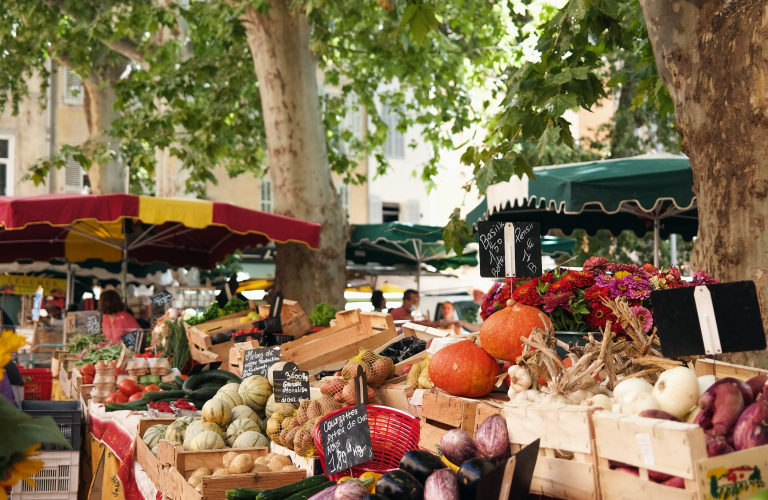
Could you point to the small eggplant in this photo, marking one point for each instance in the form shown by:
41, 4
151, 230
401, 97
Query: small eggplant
469, 476
421, 464
399, 485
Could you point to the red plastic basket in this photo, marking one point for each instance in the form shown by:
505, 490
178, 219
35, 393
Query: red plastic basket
393, 434
39, 388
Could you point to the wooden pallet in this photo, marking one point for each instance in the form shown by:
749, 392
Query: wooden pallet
325, 348
564, 430
721, 369
674, 448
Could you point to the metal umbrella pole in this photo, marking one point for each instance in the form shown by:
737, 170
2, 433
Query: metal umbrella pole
656, 238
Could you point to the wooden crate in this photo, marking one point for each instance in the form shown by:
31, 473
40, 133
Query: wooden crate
485, 409
202, 350
673, 448
148, 461
396, 396
324, 349
442, 412
178, 465
237, 353
311, 465
62, 360
64, 378
77, 387
564, 430
721, 369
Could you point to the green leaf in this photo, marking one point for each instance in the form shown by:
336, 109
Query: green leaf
580, 72
457, 234
419, 26
550, 136
560, 103
408, 14
20, 431
564, 76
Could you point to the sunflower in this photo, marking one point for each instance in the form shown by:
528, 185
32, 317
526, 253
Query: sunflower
22, 468
10, 342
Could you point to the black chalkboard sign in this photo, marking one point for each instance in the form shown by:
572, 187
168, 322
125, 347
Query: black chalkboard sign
290, 386
511, 479
258, 361
133, 340
161, 298
346, 439
92, 324
510, 249
710, 319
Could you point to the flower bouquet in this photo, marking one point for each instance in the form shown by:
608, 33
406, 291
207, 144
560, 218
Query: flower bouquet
574, 299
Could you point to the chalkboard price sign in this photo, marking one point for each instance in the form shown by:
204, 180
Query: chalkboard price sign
290, 386
346, 440
258, 361
509, 249
161, 298
92, 324
133, 340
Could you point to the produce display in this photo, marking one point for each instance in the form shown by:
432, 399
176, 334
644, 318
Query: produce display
213, 311
322, 314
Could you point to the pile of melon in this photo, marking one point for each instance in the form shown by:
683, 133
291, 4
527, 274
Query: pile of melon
234, 418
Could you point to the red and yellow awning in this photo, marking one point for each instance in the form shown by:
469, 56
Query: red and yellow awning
179, 232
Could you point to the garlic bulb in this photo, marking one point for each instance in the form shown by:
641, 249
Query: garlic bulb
578, 396
637, 401
556, 398
599, 400
519, 378
677, 391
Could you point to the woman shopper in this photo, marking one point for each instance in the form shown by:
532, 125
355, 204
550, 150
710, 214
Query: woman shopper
115, 321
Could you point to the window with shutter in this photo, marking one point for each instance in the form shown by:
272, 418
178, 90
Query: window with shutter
73, 88
73, 176
343, 190
394, 147
6, 166
267, 205
353, 120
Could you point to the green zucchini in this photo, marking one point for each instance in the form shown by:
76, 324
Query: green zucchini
126, 406
241, 493
217, 384
198, 379
178, 381
310, 492
167, 386
157, 396
284, 492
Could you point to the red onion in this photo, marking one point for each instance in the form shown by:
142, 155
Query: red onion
658, 477
757, 384
717, 445
721, 406
441, 485
493, 439
661, 415
458, 447
675, 482
752, 428
628, 470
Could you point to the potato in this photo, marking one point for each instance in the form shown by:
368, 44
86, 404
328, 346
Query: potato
227, 459
221, 472
195, 480
202, 471
199, 487
275, 466
281, 459
290, 467
219, 468
270, 455
260, 468
261, 460
242, 464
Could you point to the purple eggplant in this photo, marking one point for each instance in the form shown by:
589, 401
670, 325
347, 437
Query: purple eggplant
441, 485
350, 490
458, 446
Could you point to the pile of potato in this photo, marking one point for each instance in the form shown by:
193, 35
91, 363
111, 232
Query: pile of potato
242, 463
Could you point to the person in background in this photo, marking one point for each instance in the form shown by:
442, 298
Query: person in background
378, 301
115, 321
411, 305
448, 312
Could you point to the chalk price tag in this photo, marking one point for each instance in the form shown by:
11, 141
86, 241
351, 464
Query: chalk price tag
510, 250
258, 361
132, 340
161, 298
346, 440
291, 386
92, 324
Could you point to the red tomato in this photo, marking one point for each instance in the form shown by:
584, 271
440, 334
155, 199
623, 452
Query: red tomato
135, 396
151, 388
129, 387
117, 397
87, 379
88, 370
184, 377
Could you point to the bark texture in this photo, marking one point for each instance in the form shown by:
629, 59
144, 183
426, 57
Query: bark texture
298, 160
711, 56
98, 103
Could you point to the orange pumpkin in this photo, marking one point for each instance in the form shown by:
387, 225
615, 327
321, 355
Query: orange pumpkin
464, 369
501, 332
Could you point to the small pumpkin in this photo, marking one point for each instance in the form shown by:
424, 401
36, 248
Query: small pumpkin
464, 369
501, 332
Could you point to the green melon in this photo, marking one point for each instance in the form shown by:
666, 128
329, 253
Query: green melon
250, 439
232, 386
206, 440
231, 397
154, 434
155, 449
239, 426
217, 411
176, 431
272, 369
255, 392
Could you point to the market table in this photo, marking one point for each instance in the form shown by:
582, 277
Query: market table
113, 436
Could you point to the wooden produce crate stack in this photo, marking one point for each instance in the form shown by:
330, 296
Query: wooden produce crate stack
148, 461
721, 369
237, 354
567, 463
293, 318
673, 448
441, 413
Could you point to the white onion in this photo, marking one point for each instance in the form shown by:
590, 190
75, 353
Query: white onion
599, 400
188, 314
704, 382
677, 391
173, 313
637, 401
630, 385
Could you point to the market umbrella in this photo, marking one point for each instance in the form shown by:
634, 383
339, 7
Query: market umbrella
636, 193
119, 227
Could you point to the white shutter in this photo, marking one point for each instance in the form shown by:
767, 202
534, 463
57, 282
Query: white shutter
413, 212
343, 190
73, 176
73, 88
267, 203
375, 210
394, 147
